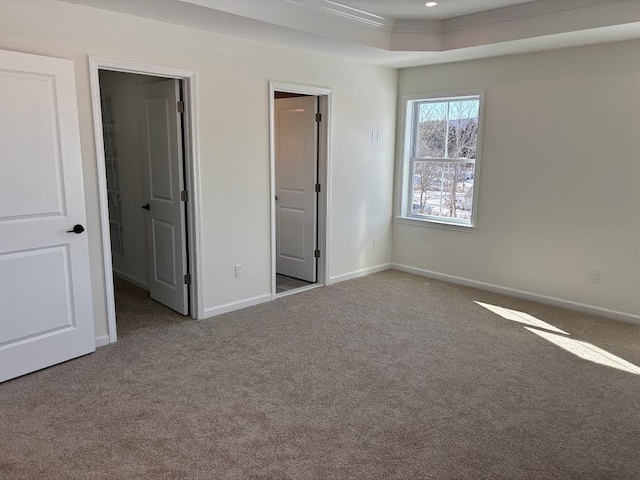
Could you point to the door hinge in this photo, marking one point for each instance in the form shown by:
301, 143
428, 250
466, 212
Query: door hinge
318, 188
187, 279
316, 254
180, 106
184, 196
318, 117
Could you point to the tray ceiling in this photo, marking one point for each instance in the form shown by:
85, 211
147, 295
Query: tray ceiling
361, 30
416, 10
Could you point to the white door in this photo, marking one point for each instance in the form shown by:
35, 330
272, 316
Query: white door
296, 142
46, 312
164, 184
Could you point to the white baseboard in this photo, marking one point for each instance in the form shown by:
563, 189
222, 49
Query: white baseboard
230, 307
131, 279
511, 292
250, 302
102, 341
359, 273
287, 293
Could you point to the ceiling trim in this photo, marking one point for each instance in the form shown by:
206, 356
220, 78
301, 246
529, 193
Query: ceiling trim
345, 11
419, 26
517, 12
480, 19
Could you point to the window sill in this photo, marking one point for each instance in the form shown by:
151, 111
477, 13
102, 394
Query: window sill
419, 222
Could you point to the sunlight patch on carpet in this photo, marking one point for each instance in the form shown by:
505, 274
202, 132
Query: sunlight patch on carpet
520, 317
588, 351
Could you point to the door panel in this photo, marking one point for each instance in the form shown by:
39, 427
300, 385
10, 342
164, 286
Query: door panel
158, 139
164, 248
296, 140
293, 235
46, 314
33, 135
43, 269
164, 182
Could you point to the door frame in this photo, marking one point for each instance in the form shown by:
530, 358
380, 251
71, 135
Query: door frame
192, 177
324, 178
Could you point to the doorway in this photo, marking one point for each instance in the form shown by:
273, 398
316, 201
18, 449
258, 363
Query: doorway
144, 161
299, 170
145, 146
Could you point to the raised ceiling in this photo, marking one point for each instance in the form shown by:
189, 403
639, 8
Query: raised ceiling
364, 31
415, 9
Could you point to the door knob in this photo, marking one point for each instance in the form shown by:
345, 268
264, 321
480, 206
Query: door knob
77, 229
146, 207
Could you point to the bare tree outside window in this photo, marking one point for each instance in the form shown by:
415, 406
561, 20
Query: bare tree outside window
445, 148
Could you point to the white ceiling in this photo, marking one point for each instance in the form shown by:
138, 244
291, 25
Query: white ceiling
415, 9
331, 27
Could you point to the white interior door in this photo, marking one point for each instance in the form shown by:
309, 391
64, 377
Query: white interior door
46, 312
166, 225
296, 145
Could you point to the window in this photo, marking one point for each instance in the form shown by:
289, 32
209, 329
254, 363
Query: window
441, 159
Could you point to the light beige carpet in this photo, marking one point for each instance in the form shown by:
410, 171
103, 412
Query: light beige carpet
385, 377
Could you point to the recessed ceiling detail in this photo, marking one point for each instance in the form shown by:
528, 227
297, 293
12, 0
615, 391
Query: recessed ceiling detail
451, 15
415, 9
400, 33
346, 11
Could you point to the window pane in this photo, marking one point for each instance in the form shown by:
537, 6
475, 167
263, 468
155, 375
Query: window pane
463, 129
443, 189
431, 129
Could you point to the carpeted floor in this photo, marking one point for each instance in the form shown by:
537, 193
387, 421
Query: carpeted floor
390, 376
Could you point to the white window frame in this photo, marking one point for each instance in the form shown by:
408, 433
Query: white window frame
405, 184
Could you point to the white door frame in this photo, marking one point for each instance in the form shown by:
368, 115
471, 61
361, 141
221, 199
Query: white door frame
192, 177
324, 176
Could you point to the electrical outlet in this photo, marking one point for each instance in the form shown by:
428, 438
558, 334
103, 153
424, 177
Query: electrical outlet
596, 276
239, 271
375, 242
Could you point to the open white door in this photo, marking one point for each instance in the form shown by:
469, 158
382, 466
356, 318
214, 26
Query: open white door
166, 226
296, 148
46, 313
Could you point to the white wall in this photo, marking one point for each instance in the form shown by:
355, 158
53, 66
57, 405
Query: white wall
123, 88
233, 94
559, 183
